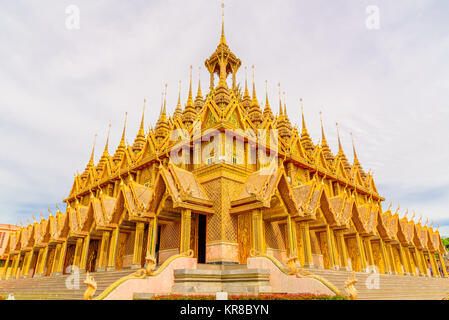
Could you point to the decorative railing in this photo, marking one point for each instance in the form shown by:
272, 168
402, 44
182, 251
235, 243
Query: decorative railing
149, 271
292, 270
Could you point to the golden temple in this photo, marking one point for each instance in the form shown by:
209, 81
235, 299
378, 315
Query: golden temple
211, 179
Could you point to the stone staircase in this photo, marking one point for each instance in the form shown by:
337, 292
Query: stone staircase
236, 279
55, 288
390, 287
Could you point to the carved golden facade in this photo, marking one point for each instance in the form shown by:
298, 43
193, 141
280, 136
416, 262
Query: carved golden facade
309, 206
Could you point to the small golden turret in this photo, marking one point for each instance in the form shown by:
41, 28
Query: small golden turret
267, 111
199, 101
139, 142
178, 111
255, 115
305, 137
104, 158
324, 145
162, 127
120, 152
189, 115
341, 155
246, 102
357, 164
283, 124
90, 165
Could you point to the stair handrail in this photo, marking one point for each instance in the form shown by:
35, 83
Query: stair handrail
291, 269
149, 271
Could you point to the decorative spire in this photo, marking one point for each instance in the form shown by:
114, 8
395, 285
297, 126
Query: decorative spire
178, 110
162, 126
280, 101
190, 99
106, 147
341, 153
90, 165
254, 101
139, 142
199, 102
357, 164
305, 137
255, 115
285, 105
246, 98
189, 114
326, 150
222, 39
267, 112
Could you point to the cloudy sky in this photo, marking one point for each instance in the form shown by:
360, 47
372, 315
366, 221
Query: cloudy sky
60, 86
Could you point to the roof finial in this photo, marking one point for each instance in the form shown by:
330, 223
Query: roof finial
302, 115
190, 99
280, 101
199, 94
267, 104
254, 83
165, 100
179, 95
323, 138
124, 129
141, 129
91, 161
222, 39
285, 105
340, 148
106, 147
246, 94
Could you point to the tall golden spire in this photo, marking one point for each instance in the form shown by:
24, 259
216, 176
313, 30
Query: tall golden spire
357, 164
106, 147
190, 99
285, 105
305, 137
254, 101
280, 101
178, 109
340, 148
139, 142
267, 112
326, 150
199, 102
222, 38
90, 165
246, 98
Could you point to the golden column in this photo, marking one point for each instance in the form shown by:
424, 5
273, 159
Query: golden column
15, 264
443, 267
394, 269
54, 267
291, 237
257, 223
113, 249
103, 260
138, 246
78, 251
84, 253
341, 245
433, 260
368, 251
43, 260
361, 252
186, 221
404, 260
411, 261
387, 263
330, 246
5, 268
60, 264
152, 239
305, 235
27, 263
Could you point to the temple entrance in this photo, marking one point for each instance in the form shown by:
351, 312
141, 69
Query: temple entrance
92, 255
69, 258
202, 226
49, 262
33, 263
